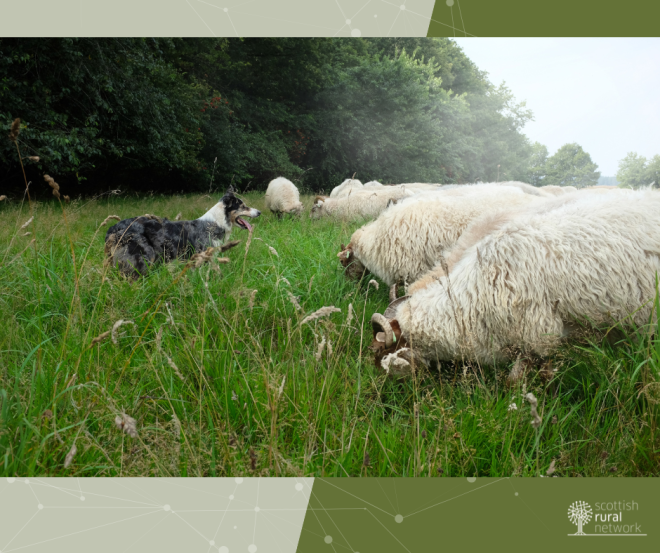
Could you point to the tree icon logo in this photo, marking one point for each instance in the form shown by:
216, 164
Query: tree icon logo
579, 513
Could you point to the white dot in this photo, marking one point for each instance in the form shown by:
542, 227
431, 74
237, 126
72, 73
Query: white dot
375, 16
252, 548
471, 479
398, 518
348, 22
239, 480
257, 509
40, 506
226, 9
299, 487
234, 527
223, 549
450, 3
356, 33
82, 498
516, 493
11, 479
166, 507
231, 496
327, 539
402, 7
27, 481
211, 542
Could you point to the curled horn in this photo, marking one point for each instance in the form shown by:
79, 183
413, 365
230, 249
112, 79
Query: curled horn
353, 177
320, 198
378, 321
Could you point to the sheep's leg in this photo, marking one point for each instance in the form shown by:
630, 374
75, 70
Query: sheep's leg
393, 292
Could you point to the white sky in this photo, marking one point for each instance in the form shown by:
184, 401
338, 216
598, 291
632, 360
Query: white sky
603, 93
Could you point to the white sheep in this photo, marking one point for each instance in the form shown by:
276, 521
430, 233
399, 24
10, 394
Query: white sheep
345, 188
409, 238
282, 196
360, 204
520, 281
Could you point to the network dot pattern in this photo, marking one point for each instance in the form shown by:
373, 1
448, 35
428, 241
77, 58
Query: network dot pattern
343, 18
207, 515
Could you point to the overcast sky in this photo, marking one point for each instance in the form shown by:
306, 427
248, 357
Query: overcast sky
603, 93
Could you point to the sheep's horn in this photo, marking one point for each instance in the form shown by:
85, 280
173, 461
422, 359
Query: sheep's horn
390, 312
353, 177
378, 321
322, 198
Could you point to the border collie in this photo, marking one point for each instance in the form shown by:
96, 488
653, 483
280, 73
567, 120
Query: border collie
133, 245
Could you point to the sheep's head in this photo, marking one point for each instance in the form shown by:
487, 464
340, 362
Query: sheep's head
318, 205
353, 267
297, 209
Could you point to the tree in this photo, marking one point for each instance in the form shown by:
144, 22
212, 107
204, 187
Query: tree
571, 166
635, 171
537, 161
579, 513
632, 171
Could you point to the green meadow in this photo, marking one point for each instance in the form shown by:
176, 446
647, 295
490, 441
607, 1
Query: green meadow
215, 374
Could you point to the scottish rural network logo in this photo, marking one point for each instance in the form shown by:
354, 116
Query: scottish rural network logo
608, 519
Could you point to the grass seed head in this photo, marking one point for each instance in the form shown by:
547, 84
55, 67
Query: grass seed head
56, 187
178, 216
27, 223
253, 296
294, 300
100, 338
323, 312
127, 424
273, 251
110, 218
34, 158
319, 352
536, 419
15, 129
69, 456
116, 327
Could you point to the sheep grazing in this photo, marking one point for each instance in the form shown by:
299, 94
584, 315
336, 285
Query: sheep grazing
360, 204
282, 196
345, 188
409, 238
519, 282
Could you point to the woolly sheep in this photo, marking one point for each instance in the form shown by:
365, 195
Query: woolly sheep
409, 238
346, 188
282, 196
360, 204
520, 281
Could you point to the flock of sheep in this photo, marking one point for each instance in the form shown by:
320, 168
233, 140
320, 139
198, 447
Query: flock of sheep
497, 271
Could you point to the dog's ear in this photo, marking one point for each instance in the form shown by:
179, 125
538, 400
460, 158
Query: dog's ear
230, 191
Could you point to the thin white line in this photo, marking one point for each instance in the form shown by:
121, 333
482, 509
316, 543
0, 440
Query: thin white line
256, 513
88, 508
390, 533
369, 2
606, 535
241, 4
35, 493
344, 25
397, 17
427, 18
458, 2
356, 497
311, 492
342, 11
451, 499
193, 9
285, 20
17, 533
232, 24
99, 495
143, 535
79, 532
195, 529
223, 516
451, 10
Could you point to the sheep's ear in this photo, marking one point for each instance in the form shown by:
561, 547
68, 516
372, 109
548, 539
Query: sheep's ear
343, 247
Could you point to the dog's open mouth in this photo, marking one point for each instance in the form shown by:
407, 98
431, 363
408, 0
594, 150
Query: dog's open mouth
243, 224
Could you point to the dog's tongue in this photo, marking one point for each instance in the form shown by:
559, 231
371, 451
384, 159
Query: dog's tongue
248, 226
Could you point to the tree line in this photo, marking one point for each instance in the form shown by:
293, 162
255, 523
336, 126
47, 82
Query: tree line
179, 114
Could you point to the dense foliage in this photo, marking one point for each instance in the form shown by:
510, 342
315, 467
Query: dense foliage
635, 171
170, 113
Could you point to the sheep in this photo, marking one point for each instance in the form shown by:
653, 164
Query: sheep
282, 196
360, 204
557, 190
346, 188
519, 282
409, 238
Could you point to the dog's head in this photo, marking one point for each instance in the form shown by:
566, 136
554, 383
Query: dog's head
236, 211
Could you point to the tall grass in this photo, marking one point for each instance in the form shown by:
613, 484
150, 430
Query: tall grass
220, 380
